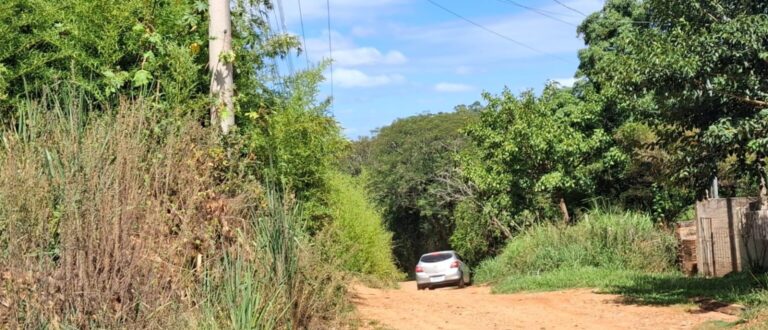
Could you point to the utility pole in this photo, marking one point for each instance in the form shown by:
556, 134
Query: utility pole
220, 59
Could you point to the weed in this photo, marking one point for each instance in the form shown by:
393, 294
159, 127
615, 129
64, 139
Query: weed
628, 241
124, 219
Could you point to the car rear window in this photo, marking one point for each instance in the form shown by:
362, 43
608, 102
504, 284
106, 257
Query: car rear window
436, 257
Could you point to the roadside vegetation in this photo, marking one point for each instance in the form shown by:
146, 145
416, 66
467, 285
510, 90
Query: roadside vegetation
110, 220
601, 242
357, 238
123, 205
615, 252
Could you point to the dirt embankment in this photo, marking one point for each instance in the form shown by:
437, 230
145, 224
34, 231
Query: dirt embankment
476, 308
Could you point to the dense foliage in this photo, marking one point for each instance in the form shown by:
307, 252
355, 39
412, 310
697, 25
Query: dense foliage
296, 143
411, 164
696, 72
107, 220
536, 152
133, 211
358, 237
107, 47
670, 95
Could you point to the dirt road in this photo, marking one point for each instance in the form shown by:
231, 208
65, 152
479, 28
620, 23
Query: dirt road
476, 308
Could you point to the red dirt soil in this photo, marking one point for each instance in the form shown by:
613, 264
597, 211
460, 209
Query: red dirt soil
476, 308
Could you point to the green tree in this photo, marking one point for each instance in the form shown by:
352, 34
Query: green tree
110, 47
408, 162
696, 72
297, 143
537, 156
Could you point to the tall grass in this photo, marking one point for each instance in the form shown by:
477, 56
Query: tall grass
357, 237
125, 219
601, 240
275, 281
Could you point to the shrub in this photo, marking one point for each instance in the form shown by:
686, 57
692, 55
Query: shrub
605, 240
357, 236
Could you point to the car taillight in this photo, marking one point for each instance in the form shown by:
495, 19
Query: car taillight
419, 269
455, 264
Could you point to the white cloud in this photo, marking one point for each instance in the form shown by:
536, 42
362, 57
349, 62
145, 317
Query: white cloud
351, 78
452, 87
317, 48
565, 82
347, 54
367, 56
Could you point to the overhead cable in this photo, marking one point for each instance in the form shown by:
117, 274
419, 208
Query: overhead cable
571, 8
538, 11
330, 46
486, 29
303, 35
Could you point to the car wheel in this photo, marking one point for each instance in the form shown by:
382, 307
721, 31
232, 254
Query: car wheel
419, 287
461, 282
431, 288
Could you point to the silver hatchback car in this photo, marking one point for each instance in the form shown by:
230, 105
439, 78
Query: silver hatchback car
441, 269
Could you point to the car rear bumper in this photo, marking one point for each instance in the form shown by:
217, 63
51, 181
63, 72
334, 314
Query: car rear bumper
452, 276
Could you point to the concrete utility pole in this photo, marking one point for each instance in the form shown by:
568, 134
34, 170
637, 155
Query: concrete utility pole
220, 58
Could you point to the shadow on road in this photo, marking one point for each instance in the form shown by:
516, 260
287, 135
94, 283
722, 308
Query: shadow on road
669, 290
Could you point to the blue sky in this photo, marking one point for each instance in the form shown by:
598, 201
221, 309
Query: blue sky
396, 58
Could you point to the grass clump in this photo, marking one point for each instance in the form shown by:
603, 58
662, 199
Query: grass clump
618, 253
274, 281
125, 219
600, 241
357, 237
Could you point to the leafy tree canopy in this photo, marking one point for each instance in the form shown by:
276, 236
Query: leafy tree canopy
535, 152
408, 163
696, 71
109, 47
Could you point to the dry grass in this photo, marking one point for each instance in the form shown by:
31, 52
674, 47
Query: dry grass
126, 220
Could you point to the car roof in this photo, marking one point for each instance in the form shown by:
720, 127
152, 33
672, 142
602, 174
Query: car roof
437, 252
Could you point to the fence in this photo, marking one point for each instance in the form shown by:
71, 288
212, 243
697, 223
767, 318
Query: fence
732, 236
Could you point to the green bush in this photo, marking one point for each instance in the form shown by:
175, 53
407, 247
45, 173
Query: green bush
605, 240
357, 236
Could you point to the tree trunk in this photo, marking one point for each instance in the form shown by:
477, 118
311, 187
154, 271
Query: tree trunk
564, 211
763, 193
222, 82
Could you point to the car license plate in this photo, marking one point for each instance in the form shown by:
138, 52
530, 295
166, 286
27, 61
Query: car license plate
437, 279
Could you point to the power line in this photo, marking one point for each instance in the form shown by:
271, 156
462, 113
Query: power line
521, 44
538, 11
330, 45
284, 31
274, 67
571, 8
612, 21
303, 35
